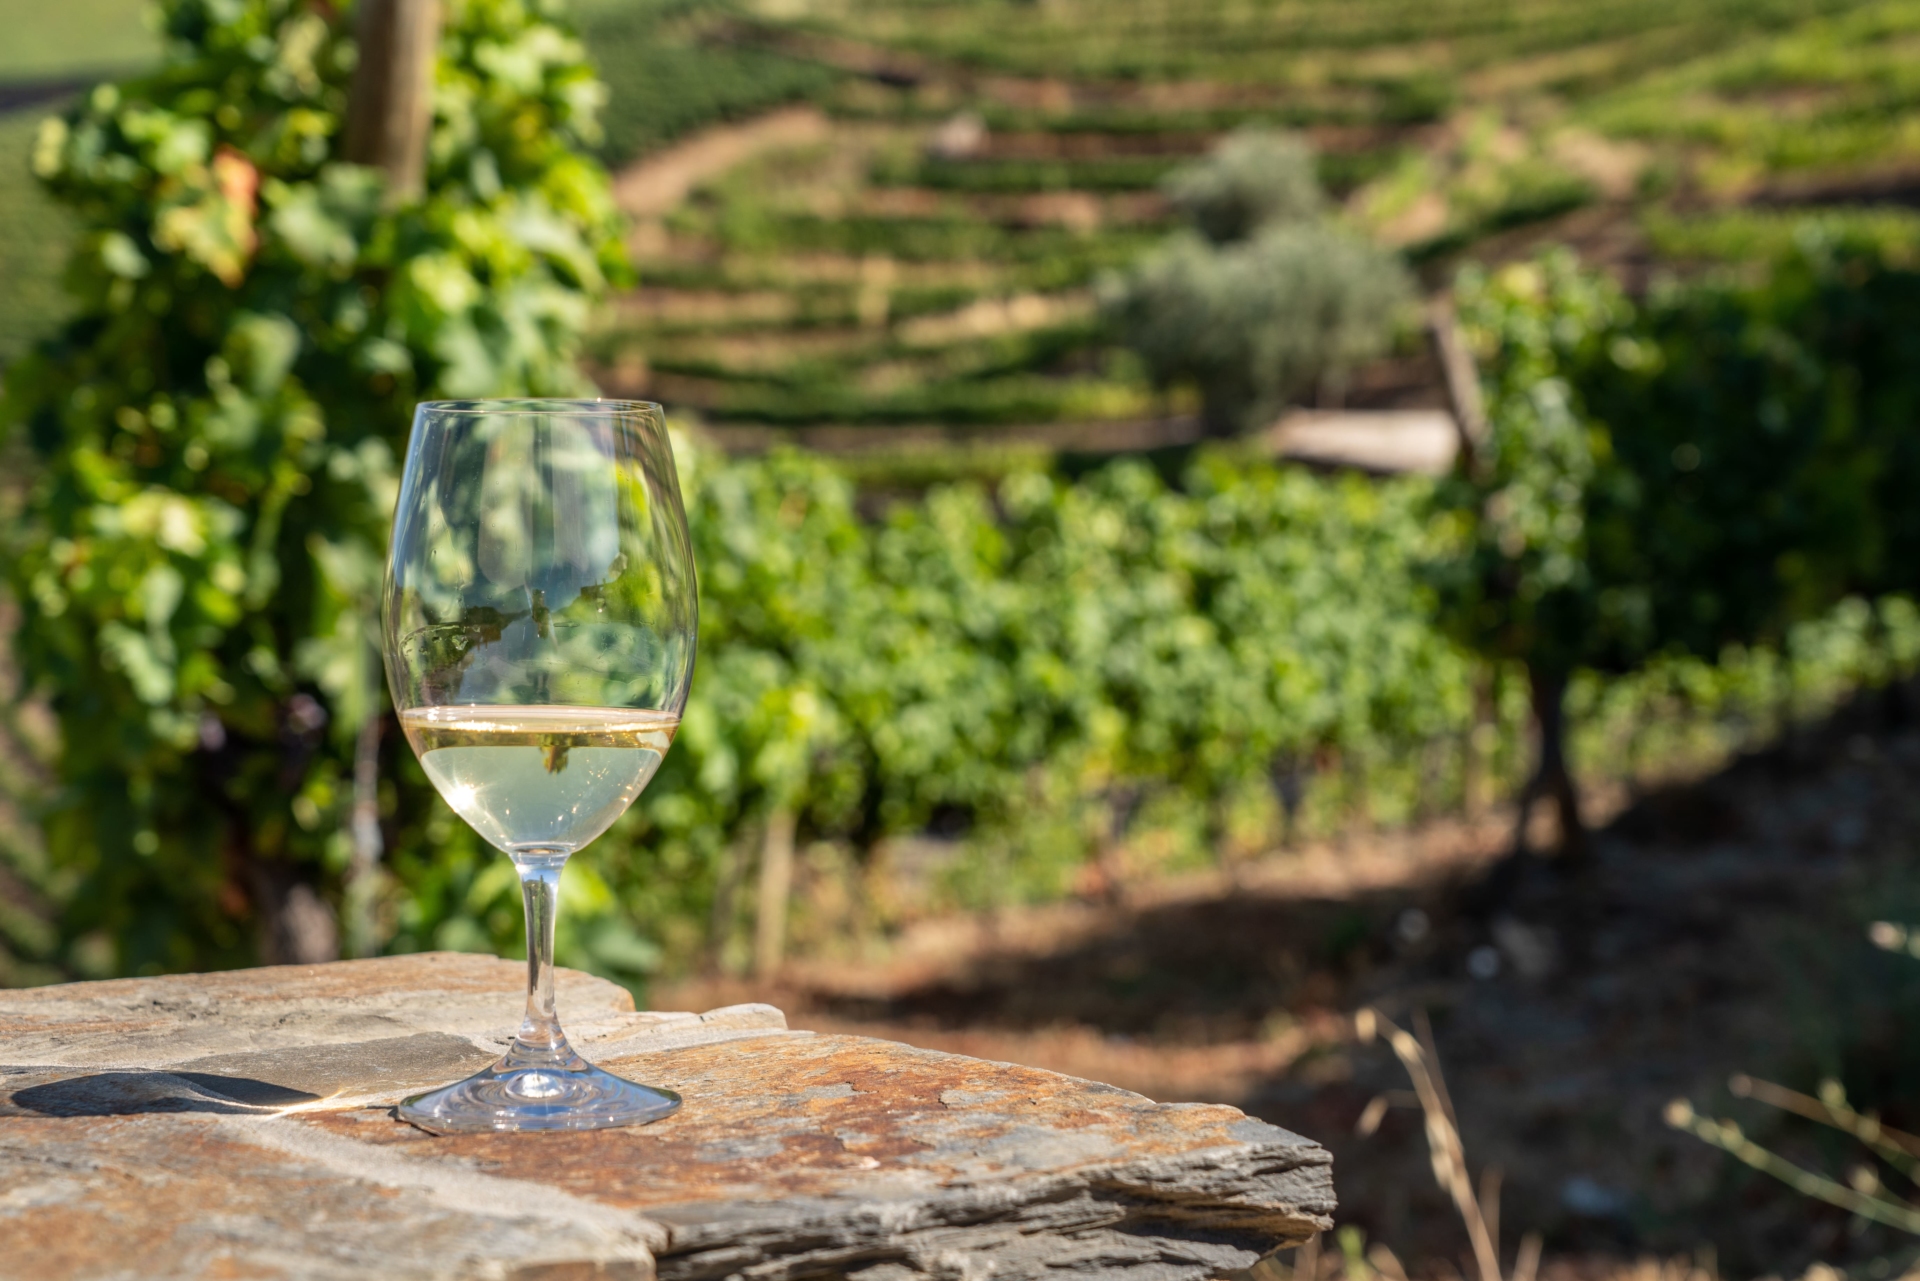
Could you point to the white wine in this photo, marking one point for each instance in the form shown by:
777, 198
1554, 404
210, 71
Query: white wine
539, 778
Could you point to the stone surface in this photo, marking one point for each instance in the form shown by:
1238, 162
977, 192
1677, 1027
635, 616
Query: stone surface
239, 1125
1385, 442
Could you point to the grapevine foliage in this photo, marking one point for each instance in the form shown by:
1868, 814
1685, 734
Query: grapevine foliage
217, 428
1519, 584
1012, 659
216, 434
1699, 470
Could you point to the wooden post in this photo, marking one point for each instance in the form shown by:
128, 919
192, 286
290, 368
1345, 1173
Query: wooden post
1288, 772
726, 894
390, 104
776, 887
1124, 802
1463, 381
1483, 731
296, 925
1359, 797
363, 828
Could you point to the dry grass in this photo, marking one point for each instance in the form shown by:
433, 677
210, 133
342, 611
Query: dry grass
1478, 1206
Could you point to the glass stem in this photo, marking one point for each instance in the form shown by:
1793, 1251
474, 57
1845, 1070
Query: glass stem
540, 1039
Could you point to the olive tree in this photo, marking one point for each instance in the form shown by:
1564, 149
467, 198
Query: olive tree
1255, 178
1264, 300
1260, 322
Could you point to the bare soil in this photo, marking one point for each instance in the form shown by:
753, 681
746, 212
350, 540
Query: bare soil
653, 187
1720, 927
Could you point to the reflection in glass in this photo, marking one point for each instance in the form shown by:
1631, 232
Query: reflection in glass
539, 623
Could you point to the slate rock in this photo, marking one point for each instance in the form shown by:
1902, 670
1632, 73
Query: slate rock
240, 1124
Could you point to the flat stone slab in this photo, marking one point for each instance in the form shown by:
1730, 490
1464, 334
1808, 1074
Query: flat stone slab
240, 1125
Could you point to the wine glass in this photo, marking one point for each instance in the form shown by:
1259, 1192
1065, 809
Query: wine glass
538, 624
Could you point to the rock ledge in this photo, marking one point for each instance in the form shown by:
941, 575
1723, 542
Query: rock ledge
239, 1124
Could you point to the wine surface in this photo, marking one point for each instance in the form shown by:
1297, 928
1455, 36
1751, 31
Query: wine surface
539, 778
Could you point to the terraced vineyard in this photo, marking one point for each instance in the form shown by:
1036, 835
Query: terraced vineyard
48, 50
800, 289
915, 237
1344, 49
33, 240
925, 250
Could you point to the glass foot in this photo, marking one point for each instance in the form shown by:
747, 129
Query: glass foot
578, 1096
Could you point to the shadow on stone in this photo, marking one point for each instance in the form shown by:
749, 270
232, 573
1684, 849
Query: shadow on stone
134, 1093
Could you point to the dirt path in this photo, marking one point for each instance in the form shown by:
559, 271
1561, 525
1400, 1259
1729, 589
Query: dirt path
941, 965
651, 188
